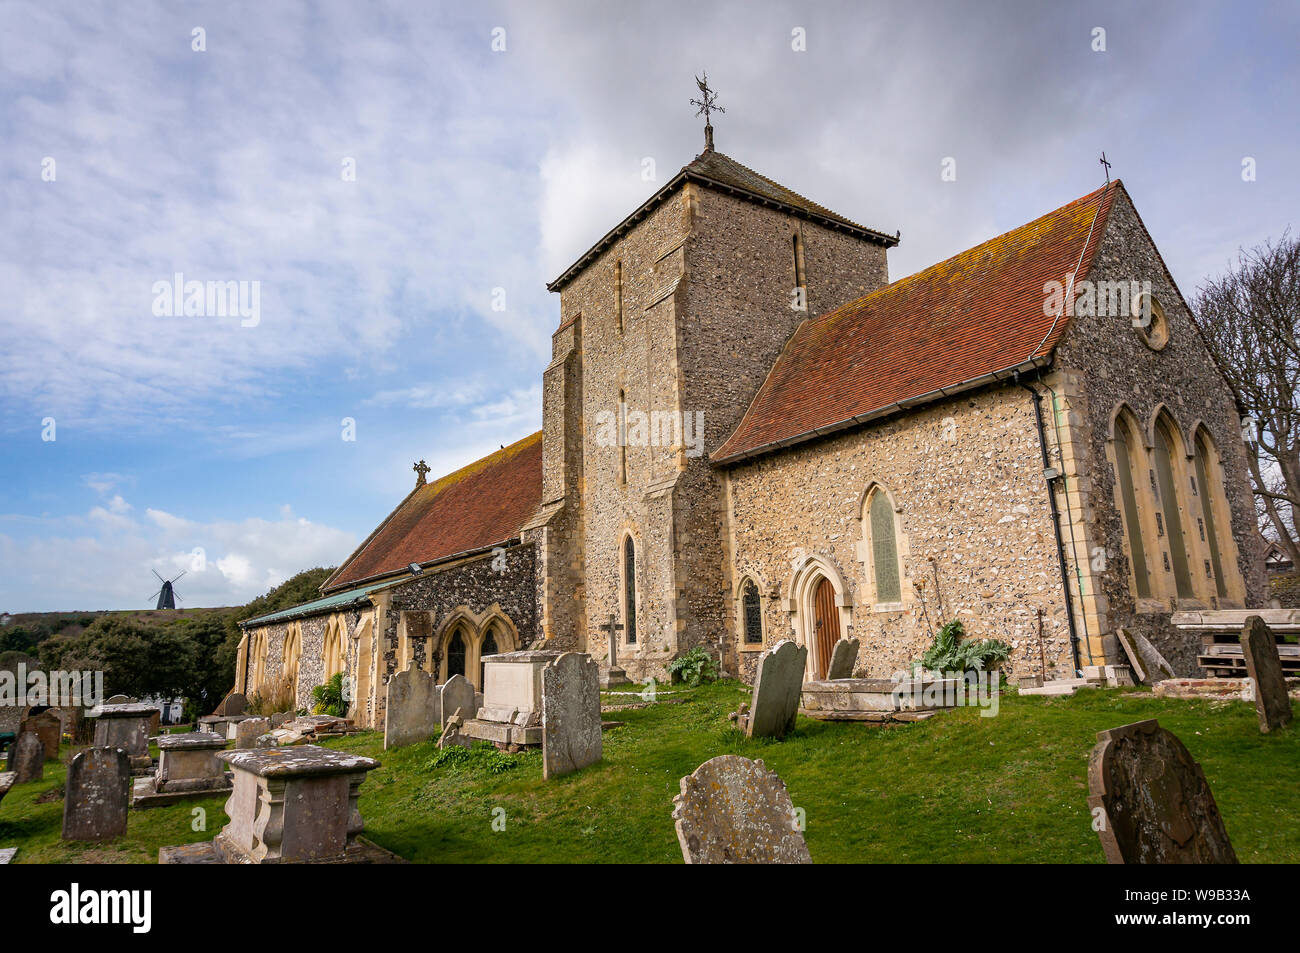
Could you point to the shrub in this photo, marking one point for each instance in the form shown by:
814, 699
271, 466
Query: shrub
950, 654
694, 668
328, 698
277, 698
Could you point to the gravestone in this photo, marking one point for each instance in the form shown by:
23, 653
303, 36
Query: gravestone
1152, 801
1144, 658
248, 730
6, 782
27, 758
570, 714
413, 708
457, 694
48, 728
280, 717
777, 686
293, 804
95, 797
7, 854
187, 767
735, 811
126, 726
1264, 666
843, 657
120, 700
233, 704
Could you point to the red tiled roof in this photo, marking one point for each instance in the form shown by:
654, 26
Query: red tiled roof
478, 506
976, 314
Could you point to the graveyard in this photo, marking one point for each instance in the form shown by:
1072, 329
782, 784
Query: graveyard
953, 788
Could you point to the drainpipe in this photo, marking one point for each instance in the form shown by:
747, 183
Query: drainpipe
1052, 476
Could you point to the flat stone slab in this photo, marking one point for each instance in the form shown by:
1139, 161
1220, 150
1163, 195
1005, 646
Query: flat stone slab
1151, 803
7, 854
503, 733
145, 794
735, 811
207, 852
298, 761
128, 710
190, 741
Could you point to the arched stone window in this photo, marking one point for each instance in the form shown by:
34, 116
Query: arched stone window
488, 647
457, 648
751, 613
629, 590
332, 651
1128, 481
881, 549
1167, 452
1216, 519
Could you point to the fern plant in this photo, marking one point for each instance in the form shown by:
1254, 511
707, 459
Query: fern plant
950, 654
694, 668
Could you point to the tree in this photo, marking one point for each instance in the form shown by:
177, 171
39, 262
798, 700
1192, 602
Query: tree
1250, 318
136, 659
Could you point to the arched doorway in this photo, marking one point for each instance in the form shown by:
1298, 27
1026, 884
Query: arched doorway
826, 626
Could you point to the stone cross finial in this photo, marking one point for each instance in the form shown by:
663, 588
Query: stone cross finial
421, 471
707, 105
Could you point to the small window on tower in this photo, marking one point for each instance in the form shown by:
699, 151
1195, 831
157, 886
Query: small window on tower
799, 296
618, 295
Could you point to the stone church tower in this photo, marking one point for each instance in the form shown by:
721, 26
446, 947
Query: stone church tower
668, 326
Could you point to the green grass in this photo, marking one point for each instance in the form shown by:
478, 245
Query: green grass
955, 788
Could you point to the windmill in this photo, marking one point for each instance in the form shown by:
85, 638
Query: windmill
167, 595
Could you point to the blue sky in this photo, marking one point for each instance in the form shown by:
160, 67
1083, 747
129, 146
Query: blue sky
480, 169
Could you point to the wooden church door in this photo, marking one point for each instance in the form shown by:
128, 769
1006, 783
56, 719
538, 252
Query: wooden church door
827, 626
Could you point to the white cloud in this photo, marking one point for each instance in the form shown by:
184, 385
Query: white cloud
104, 560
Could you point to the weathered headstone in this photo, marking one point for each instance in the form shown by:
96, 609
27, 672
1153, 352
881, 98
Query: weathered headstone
95, 797
843, 657
457, 694
126, 726
735, 811
280, 717
7, 779
7, 854
1144, 658
413, 709
27, 758
1152, 801
233, 704
777, 685
1264, 666
570, 714
120, 700
248, 730
48, 728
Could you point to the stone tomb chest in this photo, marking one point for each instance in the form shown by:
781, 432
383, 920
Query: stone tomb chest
127, 727
187, 767
512, 699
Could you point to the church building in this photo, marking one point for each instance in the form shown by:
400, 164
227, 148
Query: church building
750, 434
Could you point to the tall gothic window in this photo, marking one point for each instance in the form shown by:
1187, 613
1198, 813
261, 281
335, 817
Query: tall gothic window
1126, 451
489, 647
629, 589
1209, 488
1165, 466
884, 547
751, 611
456, 654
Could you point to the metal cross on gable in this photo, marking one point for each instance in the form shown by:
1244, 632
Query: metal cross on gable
1106, 165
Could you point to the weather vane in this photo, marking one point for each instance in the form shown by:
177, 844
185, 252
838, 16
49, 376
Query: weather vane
1106, 165
708, 104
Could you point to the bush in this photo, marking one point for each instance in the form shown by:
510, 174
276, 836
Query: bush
950, 654
328, 698
482, 755
694, 668
277, 698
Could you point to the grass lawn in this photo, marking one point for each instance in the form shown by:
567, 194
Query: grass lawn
958, 787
